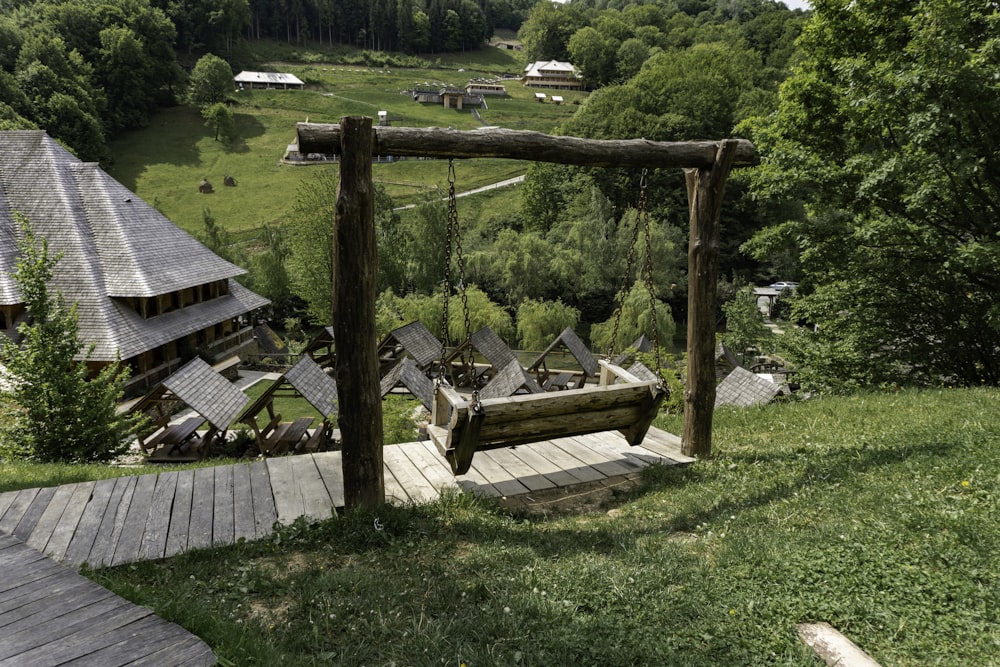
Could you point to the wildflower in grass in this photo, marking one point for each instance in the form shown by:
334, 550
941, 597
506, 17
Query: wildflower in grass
965, 483
732, 612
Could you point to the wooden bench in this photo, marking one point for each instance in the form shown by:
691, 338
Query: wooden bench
173, 435
285, 436
461, 426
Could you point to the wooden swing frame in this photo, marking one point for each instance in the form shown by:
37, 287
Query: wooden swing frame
706, 163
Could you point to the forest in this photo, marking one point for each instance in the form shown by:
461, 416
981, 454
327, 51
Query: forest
876, 126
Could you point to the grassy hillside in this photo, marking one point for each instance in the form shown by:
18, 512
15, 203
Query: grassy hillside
165, 162
876, 513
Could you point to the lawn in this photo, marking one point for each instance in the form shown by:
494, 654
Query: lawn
165, 162
876, 513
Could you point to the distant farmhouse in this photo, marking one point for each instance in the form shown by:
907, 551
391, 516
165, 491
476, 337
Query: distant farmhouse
146, 291
268, 80
552, 74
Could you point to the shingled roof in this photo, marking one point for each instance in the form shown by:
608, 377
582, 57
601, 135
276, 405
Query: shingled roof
206, 392
313, 385
112, 244
490, 345
572, 343
508, 381
406, 374
416, 339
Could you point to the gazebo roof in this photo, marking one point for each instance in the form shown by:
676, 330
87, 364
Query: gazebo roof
203, 390
491, 346
571, 342
509, 380
417, 340
407, 374
314, 385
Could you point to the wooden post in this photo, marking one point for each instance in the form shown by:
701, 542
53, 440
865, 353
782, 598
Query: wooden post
705, 187
354, 273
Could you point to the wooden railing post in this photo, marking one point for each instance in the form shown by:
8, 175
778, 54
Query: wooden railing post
354, 290
705, 187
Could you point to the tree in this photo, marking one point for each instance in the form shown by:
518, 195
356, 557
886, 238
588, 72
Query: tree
636, 320
211, 81
56, 413
539, 322
220, 118
888, 132
745, 328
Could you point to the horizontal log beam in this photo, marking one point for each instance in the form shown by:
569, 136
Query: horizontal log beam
526, 145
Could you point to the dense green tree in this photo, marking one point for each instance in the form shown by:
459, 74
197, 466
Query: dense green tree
221, 120
540, 322
269, 272
56, 413
745, 330
211, 81
636, 320
548, 28
889, 132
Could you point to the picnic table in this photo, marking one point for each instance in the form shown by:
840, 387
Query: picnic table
174, 435
285, 436
557, 382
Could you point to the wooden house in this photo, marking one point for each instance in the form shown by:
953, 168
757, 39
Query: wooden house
551, 74
281, 80
146, 291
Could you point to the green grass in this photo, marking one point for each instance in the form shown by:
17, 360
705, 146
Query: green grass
876, 513
164, 162
16, 475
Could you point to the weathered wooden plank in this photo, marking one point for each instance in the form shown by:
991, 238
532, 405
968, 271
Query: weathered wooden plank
189, 651
287, 501
202, 509
68, 523
130, 539
530, 455
472, 481
243, 520
126, 651
224, 517
525, 474
431, 465
6, 498
265, 514
394, 491
616, 449
79, 632
565, 461
103, 550
495, 474
22, 501
329, 466
83, 538
33, 513
524, 145
180, 514
316, 502
666, 445
50, 517
154, 537
61, 595
599, 462
418, 489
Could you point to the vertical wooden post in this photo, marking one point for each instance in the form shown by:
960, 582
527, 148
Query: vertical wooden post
354, 273
705, 189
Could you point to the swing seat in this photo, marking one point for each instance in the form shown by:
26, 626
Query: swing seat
622, 401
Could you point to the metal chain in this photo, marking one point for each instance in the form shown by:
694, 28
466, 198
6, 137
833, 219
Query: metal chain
643, 216
624, 289
454, 231
449, 234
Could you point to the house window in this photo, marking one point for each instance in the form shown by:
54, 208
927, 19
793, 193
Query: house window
3, 320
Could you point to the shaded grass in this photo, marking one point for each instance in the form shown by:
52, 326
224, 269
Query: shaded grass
16, 475
876, 513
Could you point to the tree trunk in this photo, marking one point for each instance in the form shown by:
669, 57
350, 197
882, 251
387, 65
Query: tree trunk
354, 255
705, 189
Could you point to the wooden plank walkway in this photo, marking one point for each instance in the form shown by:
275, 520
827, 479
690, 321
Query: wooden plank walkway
50, 615
147, 517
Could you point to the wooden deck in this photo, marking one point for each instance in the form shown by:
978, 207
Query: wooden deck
50, 615
153, 516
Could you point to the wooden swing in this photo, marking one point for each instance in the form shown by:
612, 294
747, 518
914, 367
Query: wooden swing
461, 426
706, 167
